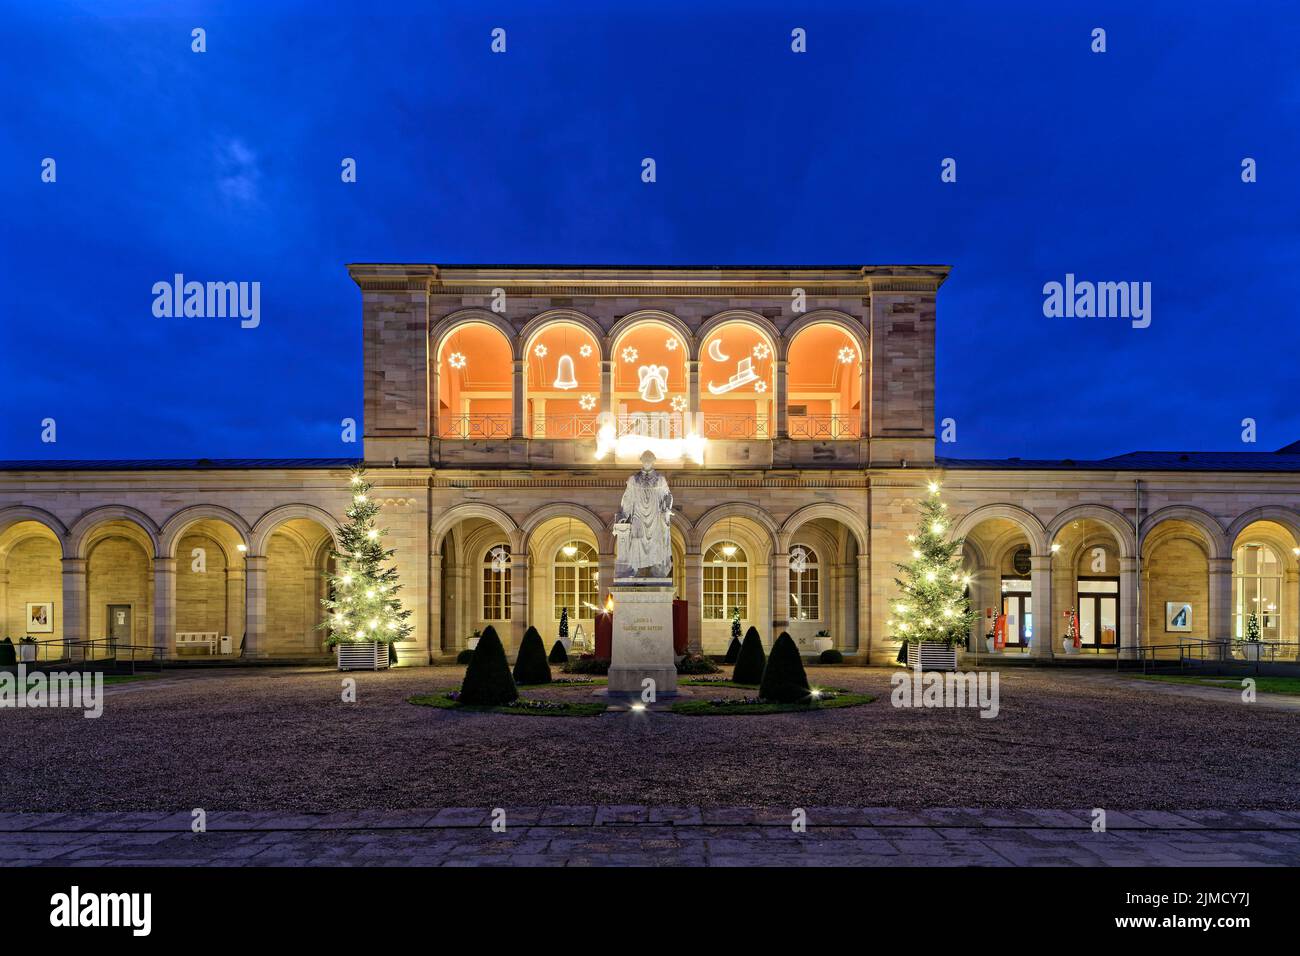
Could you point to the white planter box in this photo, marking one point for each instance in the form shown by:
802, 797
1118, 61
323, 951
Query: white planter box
471, 643
1250, 650
1069, 646
27, 652
362, 655
822, 644
934, 657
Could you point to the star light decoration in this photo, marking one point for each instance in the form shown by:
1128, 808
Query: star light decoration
761, 351
847, 355
630, 355
540, 350
671, 345
760, 386
456, 360
587, 402
585, 351
798, 560
679, 403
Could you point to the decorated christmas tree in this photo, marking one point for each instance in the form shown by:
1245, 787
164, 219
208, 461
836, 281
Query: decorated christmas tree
564, 626
362, 602
1252, 626
932, 603
735, 623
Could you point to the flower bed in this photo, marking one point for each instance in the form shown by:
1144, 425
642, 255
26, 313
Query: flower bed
725, 706
450, 700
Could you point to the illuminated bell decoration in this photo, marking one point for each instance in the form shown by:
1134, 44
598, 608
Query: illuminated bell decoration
653, 382
564, 377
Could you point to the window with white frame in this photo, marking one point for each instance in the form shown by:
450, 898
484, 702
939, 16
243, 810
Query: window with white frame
726, 581
1257, 583
805, 593
577, 579
496, 583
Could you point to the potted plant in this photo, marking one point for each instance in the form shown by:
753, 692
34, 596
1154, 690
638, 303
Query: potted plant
471, 642
1254, 642
822, 641
366, 616
932, 614
27, 649
991, 639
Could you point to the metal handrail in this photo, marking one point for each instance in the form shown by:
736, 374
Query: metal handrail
579, 425
148, 652
736, 427
486, 425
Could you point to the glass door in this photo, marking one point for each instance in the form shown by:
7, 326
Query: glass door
1099, 613
1018, 606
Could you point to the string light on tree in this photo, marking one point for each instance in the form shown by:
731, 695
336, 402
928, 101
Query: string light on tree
932, 605
362, 602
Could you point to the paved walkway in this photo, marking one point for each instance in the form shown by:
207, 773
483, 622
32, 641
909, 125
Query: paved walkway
587, 836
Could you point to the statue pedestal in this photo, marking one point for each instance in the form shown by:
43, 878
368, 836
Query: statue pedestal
643, 640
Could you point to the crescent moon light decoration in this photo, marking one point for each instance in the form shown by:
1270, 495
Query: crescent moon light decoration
715, 350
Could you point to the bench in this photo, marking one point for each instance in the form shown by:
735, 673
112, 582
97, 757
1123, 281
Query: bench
197, 639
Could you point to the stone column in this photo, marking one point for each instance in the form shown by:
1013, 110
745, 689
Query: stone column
780, 594
435, 647
986, 592
311, 637
461, 604
1040, 583
606, 580
1128, 610
841, 624
782, 390
607, 387
1219, 617
866, 641
164, 607
693, 585
1290, 604
255, 578
234, 606
693, 385
518, 601
75, 603
518, 429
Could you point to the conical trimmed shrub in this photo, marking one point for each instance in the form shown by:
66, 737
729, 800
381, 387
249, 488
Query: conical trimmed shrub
558, 654
487, 679
7, 654
752, 659
733, 651
530, 665
784, 679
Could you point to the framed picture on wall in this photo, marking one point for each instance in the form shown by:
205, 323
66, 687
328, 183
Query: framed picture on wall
1178, 617
40, 617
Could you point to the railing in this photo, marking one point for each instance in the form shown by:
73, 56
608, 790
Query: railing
564, 426
99, 651
736, 427
1234, 656
823, 427
475, 426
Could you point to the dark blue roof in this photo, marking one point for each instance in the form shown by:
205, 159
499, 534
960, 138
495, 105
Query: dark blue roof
179, 464
1283, 460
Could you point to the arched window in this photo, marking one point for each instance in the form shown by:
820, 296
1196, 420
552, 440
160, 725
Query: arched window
736, 383
475, 383
496, 583
1257, 582
577, 576
562, 378
805, 590
726, 581
824, 383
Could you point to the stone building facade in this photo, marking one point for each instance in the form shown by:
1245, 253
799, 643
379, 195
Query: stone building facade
793, 410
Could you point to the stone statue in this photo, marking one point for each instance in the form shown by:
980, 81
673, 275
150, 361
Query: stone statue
643, 546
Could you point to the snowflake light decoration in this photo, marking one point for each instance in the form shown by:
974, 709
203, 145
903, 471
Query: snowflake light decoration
585, 351
671, 345
679, 403
456, 360
761, 351
630, 355
500, 560
847, 355
798, 560
587, 402
540, 351
760, 386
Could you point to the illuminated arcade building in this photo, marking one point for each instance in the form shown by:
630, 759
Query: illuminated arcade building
793, 410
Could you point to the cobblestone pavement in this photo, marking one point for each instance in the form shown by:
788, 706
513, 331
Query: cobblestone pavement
655, 836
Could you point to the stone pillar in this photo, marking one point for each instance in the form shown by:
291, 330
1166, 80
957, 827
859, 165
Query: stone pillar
234, 606
255, 578
518, 601
985, 593
605, 581
311, 638
780, 594
1290, 604
434, 645
693, 585
1040, 584
518, 429
693, 385
782, 390
76, 609
865, 639
461, 598
843, 633
164, 607
1128, 609
5, 626
607, 397
1219, 617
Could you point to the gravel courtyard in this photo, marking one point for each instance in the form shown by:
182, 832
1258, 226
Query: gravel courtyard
282, 739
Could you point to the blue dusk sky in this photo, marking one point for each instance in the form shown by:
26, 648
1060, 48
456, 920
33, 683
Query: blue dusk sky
1122, 166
